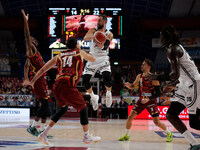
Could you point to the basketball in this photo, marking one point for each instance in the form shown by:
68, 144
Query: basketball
99, 37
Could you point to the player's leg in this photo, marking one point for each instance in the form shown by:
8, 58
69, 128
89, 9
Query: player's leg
43, 136
137, 109
84, 122
107, 79
172, 115
152, 108
126, 135
161, 125
40, 114
88, 88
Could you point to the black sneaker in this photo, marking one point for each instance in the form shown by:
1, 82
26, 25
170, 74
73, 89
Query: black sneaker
194, 147
33, 131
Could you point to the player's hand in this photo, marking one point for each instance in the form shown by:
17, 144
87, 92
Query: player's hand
151, 77
24, 15
168, 88
145, 100
128, 85
27, 82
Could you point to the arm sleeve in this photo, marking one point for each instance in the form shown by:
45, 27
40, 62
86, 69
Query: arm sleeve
156, 93
106, 45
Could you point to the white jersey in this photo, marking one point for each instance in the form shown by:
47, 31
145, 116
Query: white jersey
96, 51
187, 90
188, 68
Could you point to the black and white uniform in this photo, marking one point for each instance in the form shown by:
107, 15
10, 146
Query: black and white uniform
102, 62
187, 91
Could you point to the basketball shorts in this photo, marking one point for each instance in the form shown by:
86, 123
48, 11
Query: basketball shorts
101, 64
151, 107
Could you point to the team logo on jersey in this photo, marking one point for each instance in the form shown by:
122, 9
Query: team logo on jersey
189, 99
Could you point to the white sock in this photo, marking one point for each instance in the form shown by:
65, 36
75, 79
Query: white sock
92, 95
34, 124
86, 133
46, 130
190, 138
42, 127
108, 92
167, 131
127, 132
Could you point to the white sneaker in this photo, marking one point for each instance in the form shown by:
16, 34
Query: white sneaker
108, 99
94, 101
43, 138
90, 139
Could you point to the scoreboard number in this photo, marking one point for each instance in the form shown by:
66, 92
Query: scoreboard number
96, 12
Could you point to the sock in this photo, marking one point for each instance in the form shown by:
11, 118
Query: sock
92, 95
42, 127
86, 133
34, 124
46, 130
127, 132
108, 92
190, 138
167, 131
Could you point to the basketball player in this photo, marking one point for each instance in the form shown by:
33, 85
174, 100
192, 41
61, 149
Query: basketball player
70, 66
100, 52
185, 77
149, 91
33, 63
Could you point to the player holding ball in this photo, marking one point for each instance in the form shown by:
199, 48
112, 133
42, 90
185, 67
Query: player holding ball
99, 47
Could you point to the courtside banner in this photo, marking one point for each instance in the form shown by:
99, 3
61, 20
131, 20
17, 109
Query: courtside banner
163, 110
20, 114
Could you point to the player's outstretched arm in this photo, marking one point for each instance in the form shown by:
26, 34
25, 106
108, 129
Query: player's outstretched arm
87, 56
135, 83
89, 35
50, 64
26, 69
29, 47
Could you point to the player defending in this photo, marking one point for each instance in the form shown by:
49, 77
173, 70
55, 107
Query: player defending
149, 91
33, 63
102, 63
185, 77
70, 66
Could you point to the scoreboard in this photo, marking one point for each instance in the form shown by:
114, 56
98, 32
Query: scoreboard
77, 21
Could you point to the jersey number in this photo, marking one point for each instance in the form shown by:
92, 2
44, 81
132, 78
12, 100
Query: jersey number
67, 61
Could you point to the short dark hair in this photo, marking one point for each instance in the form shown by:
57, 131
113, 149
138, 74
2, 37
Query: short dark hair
103, 16
149, 62
71, 43
170, 35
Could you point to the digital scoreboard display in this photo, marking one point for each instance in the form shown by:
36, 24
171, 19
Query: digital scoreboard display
66, 22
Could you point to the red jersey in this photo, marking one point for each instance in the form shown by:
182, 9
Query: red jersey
70, 67
36, 63
146, 88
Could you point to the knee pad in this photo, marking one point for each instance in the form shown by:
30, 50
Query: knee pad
59, 114
84, 116
86, 81
43, 110
195, 120
107, 78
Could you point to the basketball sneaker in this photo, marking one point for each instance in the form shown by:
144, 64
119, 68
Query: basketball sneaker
33, 131
48, 136
169, 137
43, 138
108, 99
90, 139
194, 147
94, 101
125, 137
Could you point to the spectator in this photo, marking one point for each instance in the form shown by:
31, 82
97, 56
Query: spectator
23, 103
126, 92
9, 84
124, 106
14, 101
5, 102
